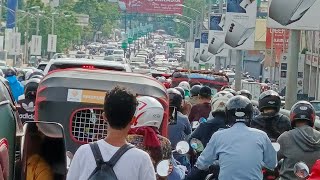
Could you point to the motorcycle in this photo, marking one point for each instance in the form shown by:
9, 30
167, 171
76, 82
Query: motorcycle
301, 170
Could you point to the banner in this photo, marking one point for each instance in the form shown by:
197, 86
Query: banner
15, 44
8, 39
240, 24
217, 35
278, 39
294, 14
1, 43
204, 55
35, 48
52, 43
153, 6
197, 50
11, 13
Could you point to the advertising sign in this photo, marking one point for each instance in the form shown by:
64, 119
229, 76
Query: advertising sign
197, 50
8, 39
294, 14
240, 24
153, 6
1, 43
11, 15
15, 44
204, 55
217, 35
278, 40
35, 48
52, 43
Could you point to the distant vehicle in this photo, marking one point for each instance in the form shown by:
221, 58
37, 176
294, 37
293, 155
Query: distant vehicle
231, 76
137, 59
65, 63
42, 65
316, 105
118, 53
3, 63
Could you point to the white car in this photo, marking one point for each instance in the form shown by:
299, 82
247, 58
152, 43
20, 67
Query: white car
65, 63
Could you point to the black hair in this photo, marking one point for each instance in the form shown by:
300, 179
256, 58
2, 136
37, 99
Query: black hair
119, 107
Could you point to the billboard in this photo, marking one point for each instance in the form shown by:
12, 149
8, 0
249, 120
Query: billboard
277, 42
240, 24
11, 13
153, 6
294, 14
52, 43
217, 35
35, 48
204, 55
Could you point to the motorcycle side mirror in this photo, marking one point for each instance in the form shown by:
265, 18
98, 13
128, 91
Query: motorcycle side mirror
182, 147
276, 146
47, 140
196, 145
301, 170
163, 167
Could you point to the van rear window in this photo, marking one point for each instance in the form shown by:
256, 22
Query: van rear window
66, 66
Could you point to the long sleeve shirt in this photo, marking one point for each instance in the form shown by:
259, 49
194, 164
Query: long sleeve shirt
241, 152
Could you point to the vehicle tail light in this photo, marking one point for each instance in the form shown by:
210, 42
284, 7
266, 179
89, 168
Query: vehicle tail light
87, 67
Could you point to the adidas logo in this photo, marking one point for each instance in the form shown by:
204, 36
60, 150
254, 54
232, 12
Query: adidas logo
26, 116
29, 107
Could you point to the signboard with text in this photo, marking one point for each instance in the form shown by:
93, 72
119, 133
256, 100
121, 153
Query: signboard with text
52, 43
35, 48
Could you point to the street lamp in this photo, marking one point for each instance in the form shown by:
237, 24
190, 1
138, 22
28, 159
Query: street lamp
197, 23
189, 25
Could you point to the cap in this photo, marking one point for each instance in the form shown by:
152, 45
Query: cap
205, 91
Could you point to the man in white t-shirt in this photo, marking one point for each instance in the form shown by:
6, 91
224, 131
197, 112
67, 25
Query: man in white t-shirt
119, 107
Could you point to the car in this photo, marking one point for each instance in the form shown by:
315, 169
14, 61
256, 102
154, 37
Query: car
65, 63
137, 59
3, 63
42, 65
316, 105
118, 53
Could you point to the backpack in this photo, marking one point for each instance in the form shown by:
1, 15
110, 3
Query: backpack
104, 170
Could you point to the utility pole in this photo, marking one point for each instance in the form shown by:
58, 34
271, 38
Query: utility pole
291, 86
38, 21
237, 54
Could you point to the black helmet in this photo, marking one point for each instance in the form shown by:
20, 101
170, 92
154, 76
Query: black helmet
239, 109
232, 91
304, 111
269, 99
245, 93
30, 89
181, 90
35, 74
195, 90
175, 98
10, 72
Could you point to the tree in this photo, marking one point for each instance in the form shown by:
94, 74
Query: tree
102, 14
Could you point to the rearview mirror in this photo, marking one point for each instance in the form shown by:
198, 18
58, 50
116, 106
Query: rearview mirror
197, 145
45, 141
69, 158
173, 115
195, 124
182, 147
301, 170
163, 168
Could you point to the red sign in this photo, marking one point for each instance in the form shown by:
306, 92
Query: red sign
280, 38
154, 6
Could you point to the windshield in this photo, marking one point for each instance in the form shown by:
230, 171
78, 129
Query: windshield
316, 105
118, 52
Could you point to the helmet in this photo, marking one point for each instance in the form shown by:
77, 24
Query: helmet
232, 91
302, 110
35, 74
195, 90
223, 94
175, 97
181, 90
239, 109
161, 79
269, 99
185, 85
30, 89
10, 72
245, 93
219, 105
149, 112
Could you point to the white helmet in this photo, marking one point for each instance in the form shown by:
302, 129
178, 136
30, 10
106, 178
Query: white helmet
223, 94
219, 105
185, 85
149, 112
161, 79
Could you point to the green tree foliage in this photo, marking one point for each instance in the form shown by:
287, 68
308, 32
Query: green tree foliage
103, 15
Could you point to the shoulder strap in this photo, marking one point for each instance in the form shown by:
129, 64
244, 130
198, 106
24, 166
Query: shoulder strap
114, 159
96, 153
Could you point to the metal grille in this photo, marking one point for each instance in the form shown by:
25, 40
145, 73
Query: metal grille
88, 125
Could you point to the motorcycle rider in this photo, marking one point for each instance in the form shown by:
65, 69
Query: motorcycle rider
270, 120
240, 150
186, 86
15, 86
247, 94
301, 143
202, 109
186, 105
145, 134
179, 131
26, 105
194, 93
